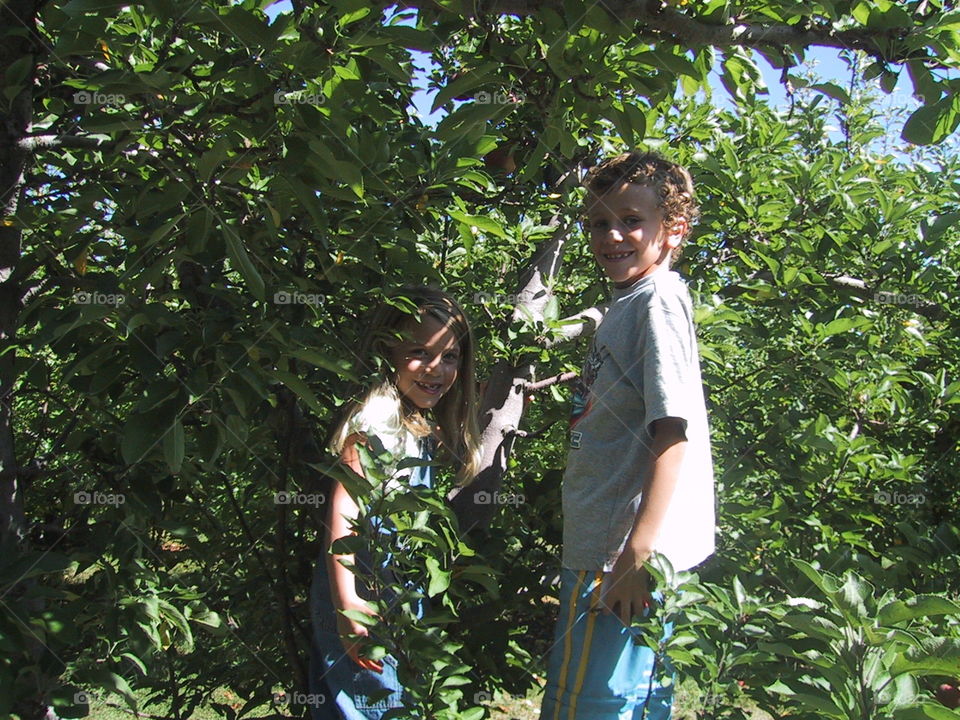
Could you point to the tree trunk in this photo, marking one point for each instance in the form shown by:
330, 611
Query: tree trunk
18, 15
13, 127
502, 404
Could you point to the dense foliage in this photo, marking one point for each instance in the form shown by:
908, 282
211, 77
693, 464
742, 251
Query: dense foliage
211, 199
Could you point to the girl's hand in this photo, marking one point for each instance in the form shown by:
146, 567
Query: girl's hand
353, 633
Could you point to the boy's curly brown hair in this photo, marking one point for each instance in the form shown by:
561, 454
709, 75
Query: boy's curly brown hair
672, 183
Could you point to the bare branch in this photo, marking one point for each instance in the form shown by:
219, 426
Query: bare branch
81, 142
584, 322
547, 382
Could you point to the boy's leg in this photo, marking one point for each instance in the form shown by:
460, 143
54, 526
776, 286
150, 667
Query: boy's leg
596, 669
659, 704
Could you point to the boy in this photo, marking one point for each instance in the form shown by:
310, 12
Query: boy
639, 476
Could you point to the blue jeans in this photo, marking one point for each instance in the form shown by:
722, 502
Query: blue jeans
345, 686
596, 669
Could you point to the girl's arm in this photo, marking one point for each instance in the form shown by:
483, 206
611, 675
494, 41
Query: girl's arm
343, 586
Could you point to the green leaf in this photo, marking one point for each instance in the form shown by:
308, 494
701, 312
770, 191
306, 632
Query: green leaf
813, 626
842, 325
483, 575
114, 683
916, 607
930, 124
925, 711
439, 578
241, 262
299, 387
811, 572
937, 656
339, 365
249, 29
360, 617
174, 617
139, 437
79, 7
467, 81
482, 223
212, 158
173, 447
832, 90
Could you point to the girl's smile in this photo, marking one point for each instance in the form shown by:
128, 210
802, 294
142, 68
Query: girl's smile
427, 362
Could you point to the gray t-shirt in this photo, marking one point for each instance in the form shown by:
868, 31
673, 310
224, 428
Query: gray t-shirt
642, 366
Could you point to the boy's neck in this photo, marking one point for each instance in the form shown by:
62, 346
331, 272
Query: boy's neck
660, 269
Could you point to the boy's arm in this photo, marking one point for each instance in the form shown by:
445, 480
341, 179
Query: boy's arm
626, 593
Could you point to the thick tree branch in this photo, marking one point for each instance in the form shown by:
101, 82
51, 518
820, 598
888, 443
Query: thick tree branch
501, 407
886, 44
584, 322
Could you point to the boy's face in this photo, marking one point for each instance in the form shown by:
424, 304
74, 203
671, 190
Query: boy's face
627, 232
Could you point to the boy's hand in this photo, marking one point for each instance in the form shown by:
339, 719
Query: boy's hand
624, 592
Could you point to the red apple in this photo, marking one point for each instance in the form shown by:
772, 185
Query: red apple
948, 695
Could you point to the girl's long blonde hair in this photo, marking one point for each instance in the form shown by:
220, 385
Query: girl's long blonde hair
455, 412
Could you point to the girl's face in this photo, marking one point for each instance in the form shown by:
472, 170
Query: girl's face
427, 362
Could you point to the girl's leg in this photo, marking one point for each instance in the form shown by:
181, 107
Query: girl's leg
349, 692
322, 622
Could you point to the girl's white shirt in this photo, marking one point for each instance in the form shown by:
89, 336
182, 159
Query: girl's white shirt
380, 416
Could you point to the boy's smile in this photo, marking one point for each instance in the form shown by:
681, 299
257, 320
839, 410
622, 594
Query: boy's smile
628, 235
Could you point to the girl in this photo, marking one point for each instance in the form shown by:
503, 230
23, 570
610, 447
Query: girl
422, 396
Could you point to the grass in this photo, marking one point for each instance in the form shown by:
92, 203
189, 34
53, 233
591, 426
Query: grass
686, 701
112, 710
502, 707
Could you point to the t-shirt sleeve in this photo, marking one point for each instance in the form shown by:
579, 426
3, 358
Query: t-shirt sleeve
666, 374
377, 418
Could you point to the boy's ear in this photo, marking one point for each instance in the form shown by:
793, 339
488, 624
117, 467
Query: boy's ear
675, 230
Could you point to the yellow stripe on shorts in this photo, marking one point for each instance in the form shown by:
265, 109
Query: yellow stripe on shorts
587, 637
567, 643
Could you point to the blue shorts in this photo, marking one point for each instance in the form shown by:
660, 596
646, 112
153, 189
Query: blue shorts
599, 669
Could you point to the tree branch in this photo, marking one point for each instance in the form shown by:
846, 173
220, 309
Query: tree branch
81, 142
688, 30
547, 382
584, 322
857, 287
